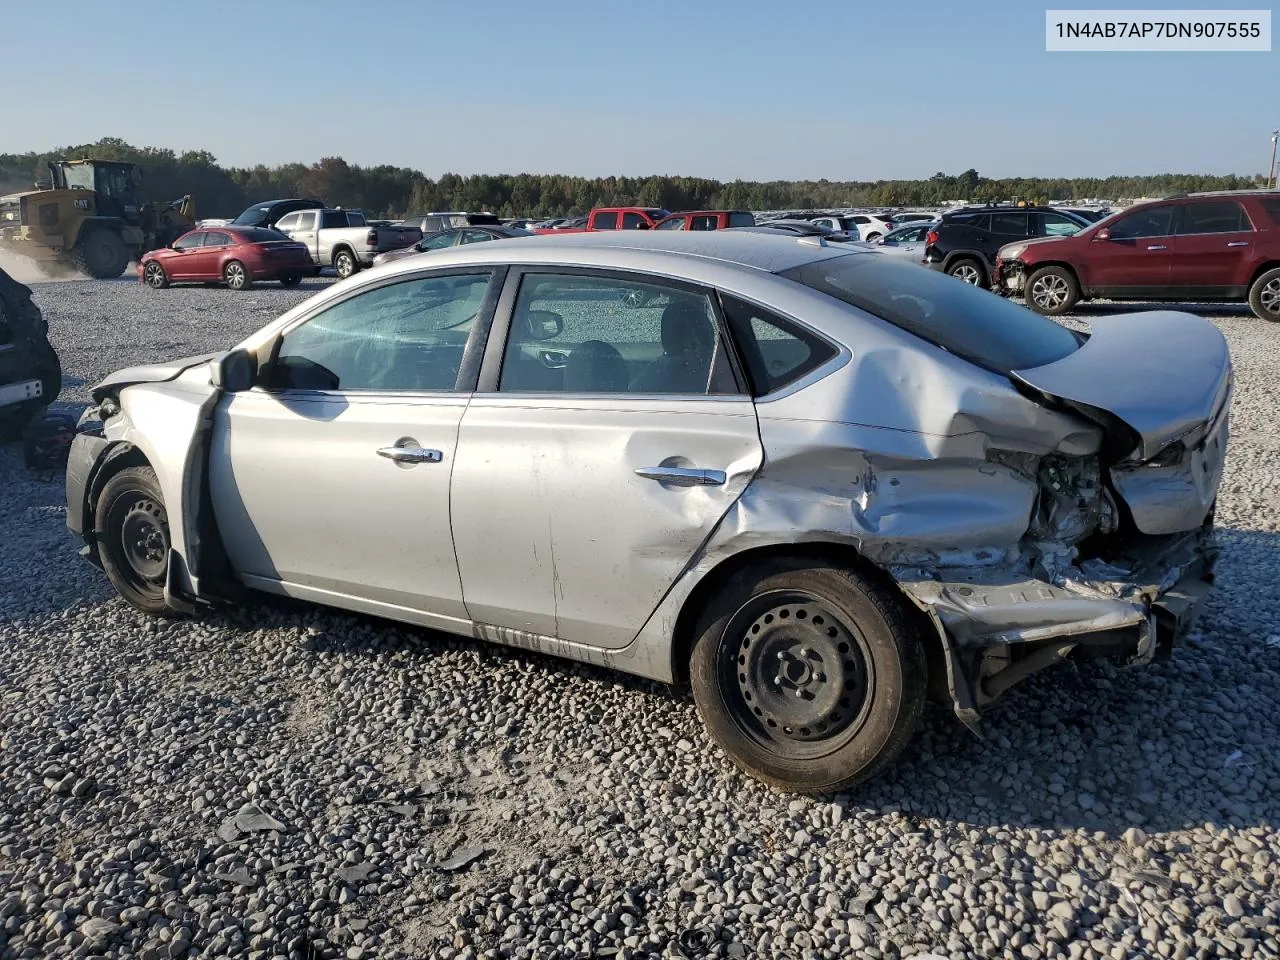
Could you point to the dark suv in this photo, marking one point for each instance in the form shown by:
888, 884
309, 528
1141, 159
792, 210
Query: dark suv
965, 242
1198, 247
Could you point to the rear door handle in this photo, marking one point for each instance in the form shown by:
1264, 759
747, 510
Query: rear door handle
1238, 243
1158, 247
683, 476
411, 454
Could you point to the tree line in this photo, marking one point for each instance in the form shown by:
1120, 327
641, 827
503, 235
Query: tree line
388, 191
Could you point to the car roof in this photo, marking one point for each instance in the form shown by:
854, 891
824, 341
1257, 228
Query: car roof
656, 251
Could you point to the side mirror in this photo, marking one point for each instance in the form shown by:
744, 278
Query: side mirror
1103, 234
544, 324
234, 371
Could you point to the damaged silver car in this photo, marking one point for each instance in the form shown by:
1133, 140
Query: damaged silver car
814, 483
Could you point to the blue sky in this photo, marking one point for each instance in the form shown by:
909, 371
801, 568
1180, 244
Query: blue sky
751, 89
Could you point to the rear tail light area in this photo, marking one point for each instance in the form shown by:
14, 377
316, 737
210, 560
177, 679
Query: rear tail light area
931, 237
373, 237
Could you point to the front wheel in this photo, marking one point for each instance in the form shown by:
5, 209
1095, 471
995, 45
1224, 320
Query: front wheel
345, 264
153, 276
1264, 296
810, 677
1051, 291
236, 276
873, 237
132, 529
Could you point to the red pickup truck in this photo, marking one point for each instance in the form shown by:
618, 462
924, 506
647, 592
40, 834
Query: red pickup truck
707, 220
616, 218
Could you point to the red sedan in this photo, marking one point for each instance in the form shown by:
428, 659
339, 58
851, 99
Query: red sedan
236, 256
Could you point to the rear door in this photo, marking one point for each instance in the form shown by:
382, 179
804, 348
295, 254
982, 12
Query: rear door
607, 438
207, 261
1006, 227
1212, 248
1137, 260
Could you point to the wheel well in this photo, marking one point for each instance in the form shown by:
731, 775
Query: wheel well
1269, 265
341, 248
684, 636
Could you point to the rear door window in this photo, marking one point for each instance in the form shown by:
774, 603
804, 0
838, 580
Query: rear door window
985, 329
704, 222
633, 221
775, 351
216, 240
742, 220
1009, 224
1225, 216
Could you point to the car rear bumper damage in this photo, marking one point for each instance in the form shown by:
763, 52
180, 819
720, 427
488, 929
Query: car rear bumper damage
1002, 624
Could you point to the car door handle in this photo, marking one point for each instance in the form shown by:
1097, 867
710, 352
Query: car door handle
1238, 243
1158, 246
683, 476
411, 454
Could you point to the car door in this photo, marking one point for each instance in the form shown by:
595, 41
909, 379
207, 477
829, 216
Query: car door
1212, 250
330, 477
1135, 258
305, 232
1006, 227
207, 261
184, 263
607, 438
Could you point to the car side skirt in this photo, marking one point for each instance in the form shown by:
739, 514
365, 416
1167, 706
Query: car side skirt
636, 658
1177, 294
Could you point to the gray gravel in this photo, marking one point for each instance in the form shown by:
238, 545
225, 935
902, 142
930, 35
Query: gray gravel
285, 780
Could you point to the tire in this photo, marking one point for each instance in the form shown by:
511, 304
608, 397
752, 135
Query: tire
132, 530
236, 276
1264, 296
292, 280
101, 254
1051, 291
847, 652
970, 271
153, 276
873, 237
345, 264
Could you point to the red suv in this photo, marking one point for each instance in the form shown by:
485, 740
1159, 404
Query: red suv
1197, 247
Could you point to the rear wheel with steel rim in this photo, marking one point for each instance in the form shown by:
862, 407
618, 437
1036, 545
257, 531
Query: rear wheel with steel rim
344, 263
968, 271
1051, 291
236, 276
153, 276
811, 677
132, 530
1264, 296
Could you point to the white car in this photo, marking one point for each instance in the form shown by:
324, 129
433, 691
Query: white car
906, 242
869, 226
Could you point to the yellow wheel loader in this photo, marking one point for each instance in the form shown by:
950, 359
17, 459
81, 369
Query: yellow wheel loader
89, 216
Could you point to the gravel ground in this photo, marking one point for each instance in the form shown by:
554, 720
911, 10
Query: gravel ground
285, 780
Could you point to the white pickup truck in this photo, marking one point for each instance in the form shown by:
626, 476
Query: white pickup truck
342, 239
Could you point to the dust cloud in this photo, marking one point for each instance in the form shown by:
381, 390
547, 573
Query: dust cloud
28, 271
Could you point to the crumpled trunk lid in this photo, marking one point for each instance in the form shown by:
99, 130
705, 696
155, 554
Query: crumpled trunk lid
1166, 376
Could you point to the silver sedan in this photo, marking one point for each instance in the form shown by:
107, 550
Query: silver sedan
810, 481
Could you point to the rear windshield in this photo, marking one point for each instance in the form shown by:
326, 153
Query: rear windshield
260, 235
979, 326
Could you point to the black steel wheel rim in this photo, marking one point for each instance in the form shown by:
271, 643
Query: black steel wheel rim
144, 540
796, 674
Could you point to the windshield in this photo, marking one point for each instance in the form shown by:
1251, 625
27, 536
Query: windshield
982, 327
253, 217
